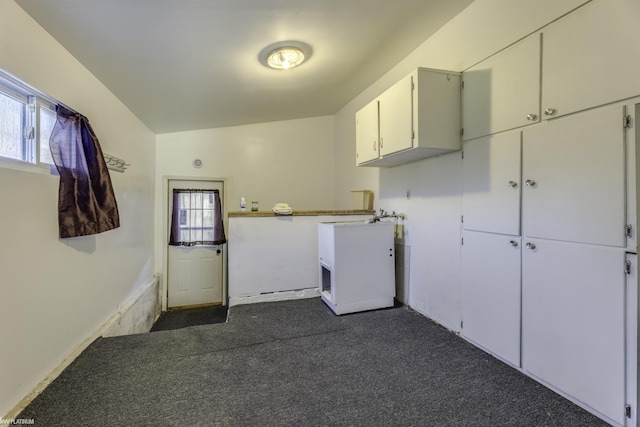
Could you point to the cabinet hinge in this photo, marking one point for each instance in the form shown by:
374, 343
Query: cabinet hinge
626, 121
628, 230
627, 411
627, 267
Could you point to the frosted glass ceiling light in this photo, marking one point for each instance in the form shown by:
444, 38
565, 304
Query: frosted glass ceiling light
285, 55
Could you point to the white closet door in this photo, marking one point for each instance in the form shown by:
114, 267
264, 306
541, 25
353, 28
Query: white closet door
491, 184
491, 293
573, 321
574, 178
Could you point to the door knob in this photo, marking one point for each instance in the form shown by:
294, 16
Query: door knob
531, 245
530, 183
532, 117
549, 111
513, 184
514, 243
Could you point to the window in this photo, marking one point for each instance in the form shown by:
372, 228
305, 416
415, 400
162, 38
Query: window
196, 218
26, 121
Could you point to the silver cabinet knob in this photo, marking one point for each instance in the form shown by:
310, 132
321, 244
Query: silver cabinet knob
531, 245
549, 111
530, 183
532, 117
513, 184
514, 243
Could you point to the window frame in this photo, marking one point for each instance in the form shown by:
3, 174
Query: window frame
33, 100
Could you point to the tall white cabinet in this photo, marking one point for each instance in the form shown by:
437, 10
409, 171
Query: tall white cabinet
548, 279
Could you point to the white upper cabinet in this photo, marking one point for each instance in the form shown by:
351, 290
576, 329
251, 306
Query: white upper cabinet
418, 117
367, 143
491, 183
591, 57
503, 91
574, 178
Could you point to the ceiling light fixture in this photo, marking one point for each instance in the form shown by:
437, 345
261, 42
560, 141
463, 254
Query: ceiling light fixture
285, 55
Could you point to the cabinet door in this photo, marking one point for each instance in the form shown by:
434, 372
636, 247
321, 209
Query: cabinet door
367, 133
591, 57
396, 122
503, 92
491, 293
574, 178
573, 321
491, 184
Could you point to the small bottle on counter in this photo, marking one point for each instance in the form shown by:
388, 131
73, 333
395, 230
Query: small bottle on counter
243, 204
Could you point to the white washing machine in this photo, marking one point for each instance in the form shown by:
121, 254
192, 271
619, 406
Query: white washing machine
357, 265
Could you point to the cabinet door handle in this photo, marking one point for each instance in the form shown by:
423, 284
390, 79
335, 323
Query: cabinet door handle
532, 117
374, 146
531, 246
549, 111
513, 184
530, 183
514, 243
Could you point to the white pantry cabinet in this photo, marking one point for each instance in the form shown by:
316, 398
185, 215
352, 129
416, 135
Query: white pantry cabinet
591, 57
418, 117
490, 302
574, 178
573, 321
503, 91
491, 183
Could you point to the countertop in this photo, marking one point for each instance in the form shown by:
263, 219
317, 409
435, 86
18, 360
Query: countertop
269, 213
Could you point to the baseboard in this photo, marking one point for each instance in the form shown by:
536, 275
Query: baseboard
133, 315
274, 296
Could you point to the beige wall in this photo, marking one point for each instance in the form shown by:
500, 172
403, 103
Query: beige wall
289, 161
56, 293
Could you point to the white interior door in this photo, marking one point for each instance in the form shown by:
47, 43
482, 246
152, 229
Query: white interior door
195, 273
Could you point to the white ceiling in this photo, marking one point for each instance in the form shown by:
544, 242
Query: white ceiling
193, 64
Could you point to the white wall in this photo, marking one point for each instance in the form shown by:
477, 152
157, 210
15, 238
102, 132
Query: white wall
289, 161
56, 293
432, 228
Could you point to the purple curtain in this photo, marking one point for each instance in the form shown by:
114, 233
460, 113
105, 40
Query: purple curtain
196, 218
86, 202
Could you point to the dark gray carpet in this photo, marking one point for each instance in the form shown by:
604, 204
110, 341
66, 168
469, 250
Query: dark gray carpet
294, 363
178, 319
